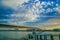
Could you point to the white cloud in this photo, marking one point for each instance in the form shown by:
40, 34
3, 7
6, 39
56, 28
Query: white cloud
57, 4
49, 10
37, 4
13, 3
43, 3
17, 15
48, 3
57, 9
30, 15
52, 2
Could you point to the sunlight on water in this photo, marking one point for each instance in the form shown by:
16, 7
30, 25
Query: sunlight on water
24, 34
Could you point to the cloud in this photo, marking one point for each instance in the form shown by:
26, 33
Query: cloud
13, 3
57, 9
50, 23
34, 14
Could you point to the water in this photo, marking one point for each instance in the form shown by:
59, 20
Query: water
24, 34
14, 34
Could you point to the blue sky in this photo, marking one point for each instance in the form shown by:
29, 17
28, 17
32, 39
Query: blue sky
30, 12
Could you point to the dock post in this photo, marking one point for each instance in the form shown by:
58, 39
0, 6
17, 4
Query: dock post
40, 37
51, 37
45, 37
59, 36
36, 37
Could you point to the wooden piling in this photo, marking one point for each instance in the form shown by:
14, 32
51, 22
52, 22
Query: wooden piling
59, 37
36, 37
40, 37
51, 37
45, 37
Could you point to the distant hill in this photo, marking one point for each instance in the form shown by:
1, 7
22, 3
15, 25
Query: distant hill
10, 26
16, 26
56, 29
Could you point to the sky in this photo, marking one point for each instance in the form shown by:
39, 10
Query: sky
31, 13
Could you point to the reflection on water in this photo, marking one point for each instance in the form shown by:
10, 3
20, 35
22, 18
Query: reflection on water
15, 35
